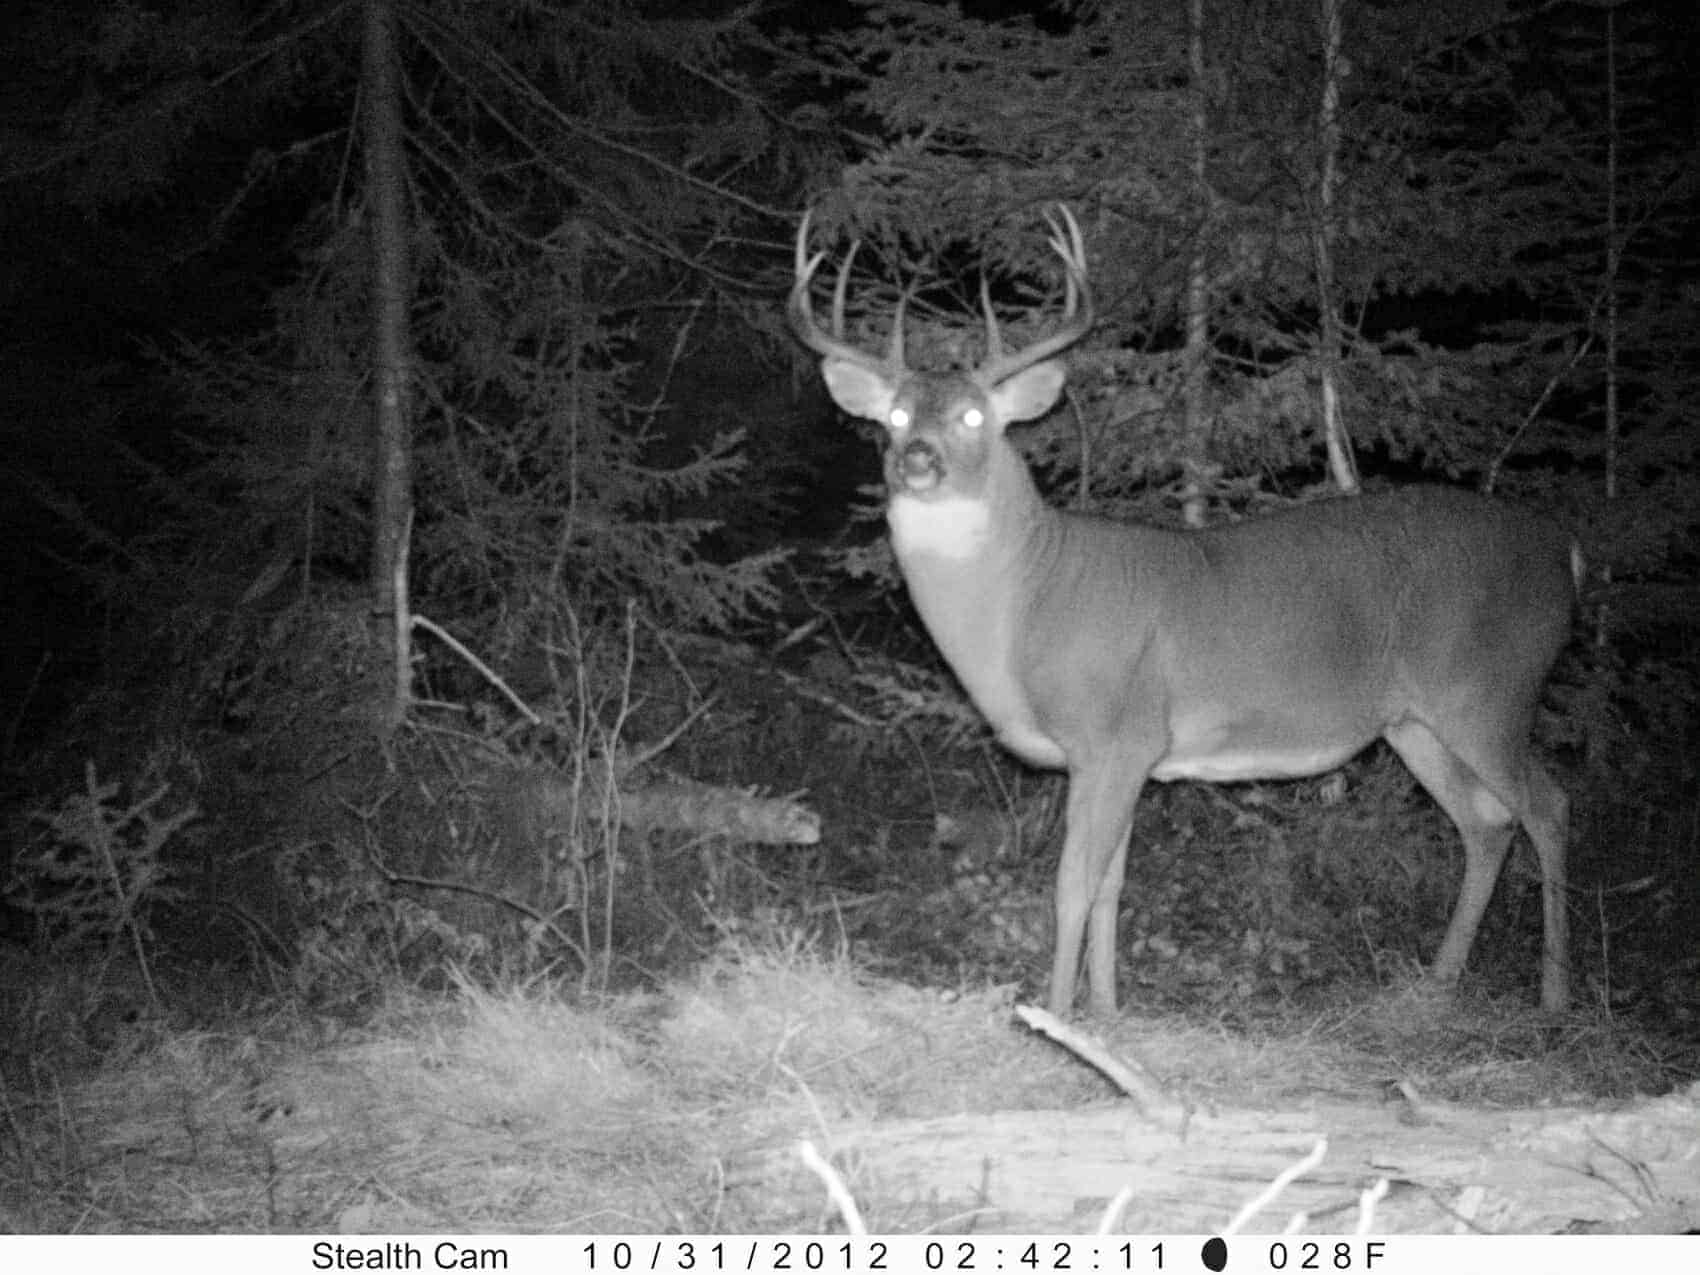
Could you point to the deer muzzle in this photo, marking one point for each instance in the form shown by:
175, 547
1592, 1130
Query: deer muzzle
916, 466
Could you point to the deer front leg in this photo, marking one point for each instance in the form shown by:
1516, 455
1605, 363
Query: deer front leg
1101, 798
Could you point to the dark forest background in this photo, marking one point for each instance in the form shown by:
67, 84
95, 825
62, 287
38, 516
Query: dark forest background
409, 473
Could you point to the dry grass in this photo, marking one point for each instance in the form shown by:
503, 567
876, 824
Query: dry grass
520, 1111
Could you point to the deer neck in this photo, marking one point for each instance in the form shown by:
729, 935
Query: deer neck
972, 561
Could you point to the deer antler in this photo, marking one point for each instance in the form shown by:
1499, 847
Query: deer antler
1000, 365
800, 310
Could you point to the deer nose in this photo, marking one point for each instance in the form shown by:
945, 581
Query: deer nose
916, 465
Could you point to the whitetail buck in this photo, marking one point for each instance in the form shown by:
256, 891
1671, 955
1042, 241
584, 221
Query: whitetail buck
1272, 648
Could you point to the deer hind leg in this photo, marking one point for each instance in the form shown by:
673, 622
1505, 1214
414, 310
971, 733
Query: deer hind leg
1486, 792
1101, 799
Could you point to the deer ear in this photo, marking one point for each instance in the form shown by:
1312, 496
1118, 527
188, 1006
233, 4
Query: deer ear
857, 390
1029, 393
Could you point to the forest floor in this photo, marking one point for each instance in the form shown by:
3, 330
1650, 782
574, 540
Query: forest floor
686, 1111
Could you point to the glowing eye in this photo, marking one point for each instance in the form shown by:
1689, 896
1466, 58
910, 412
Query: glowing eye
899, 418
973, 418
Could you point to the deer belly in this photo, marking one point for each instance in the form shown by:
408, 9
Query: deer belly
1223, 751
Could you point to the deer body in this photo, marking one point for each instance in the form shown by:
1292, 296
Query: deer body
1272, 648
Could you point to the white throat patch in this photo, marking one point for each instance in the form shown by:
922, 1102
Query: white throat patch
955, 527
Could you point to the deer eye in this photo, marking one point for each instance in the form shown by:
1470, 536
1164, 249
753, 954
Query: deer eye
973, 418
899, 418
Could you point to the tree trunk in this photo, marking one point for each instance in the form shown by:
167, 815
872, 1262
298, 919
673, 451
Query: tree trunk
1193, 474
1341, 463
392, 344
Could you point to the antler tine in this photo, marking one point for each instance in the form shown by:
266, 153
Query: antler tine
894, 344
1066, 240
800, 310
1068, 243
841, 287
804, 266
994, 335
